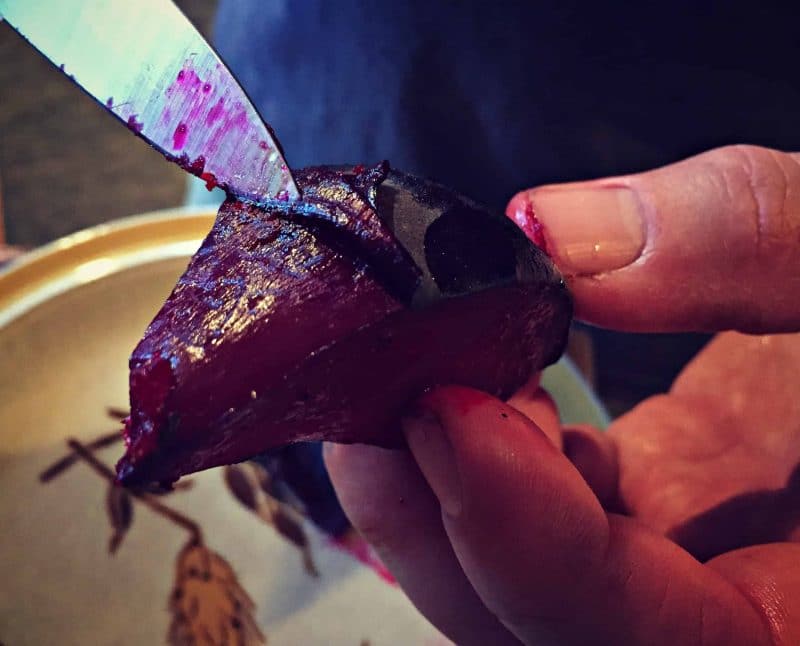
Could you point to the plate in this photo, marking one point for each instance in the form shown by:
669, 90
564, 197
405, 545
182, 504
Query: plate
196, 561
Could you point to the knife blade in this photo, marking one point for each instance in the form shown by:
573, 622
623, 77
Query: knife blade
149, 67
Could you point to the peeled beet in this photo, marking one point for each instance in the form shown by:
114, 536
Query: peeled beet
325, 319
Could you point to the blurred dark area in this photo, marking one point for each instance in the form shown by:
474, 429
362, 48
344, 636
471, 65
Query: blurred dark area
545, 91
630, 367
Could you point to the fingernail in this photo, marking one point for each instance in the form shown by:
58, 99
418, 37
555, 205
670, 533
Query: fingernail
433, 452
589, 230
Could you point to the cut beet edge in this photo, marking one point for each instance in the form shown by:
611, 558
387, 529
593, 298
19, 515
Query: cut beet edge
287, 328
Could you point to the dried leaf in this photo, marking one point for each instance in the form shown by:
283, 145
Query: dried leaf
241, 486
120, 514
208, 605
308, 563
289, 528
242, 480
293, 531
265, 481
276, 489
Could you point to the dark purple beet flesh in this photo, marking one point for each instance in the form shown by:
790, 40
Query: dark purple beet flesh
323, 320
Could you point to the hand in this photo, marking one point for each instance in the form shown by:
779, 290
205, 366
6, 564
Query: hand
678, 526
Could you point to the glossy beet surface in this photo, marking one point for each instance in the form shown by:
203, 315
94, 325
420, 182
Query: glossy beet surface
325, 319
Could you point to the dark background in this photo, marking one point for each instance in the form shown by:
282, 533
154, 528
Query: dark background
677, 78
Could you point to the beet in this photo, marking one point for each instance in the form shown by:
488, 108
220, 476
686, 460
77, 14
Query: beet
325, 319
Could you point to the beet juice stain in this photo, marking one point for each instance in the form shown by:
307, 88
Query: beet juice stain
196, 167
532, 227
195, 102
63, 69
134, 125
203, 103
179, 137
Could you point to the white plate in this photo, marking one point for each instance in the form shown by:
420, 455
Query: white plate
70, 313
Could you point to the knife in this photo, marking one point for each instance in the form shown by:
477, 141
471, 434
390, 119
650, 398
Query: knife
148, 66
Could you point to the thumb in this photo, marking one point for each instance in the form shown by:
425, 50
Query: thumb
541, 553
706, 244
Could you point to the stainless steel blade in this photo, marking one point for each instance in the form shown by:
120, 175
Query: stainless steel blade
147, 65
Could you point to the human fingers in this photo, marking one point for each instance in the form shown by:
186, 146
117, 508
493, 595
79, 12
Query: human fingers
536, 404
769, 577
714, 462
594, 455
591, 451
386, 498
708, 243
541, 553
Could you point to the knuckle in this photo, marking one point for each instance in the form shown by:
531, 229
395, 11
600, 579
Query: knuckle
764, 183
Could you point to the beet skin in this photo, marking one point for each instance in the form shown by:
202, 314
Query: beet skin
325, 319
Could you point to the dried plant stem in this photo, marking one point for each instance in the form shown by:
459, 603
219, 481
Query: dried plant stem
68, 460
149, 500
116, 413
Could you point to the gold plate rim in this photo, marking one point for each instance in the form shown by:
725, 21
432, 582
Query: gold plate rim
95, 252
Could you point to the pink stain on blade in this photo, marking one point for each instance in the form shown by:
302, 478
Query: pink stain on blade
185, 87
210, 179
195, 166
201, 100
188, 78
179, 136
134, 125
215, 112
240, 121
227, 122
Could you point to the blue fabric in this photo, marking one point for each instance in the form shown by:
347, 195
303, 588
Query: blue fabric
491, 97
301, 468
